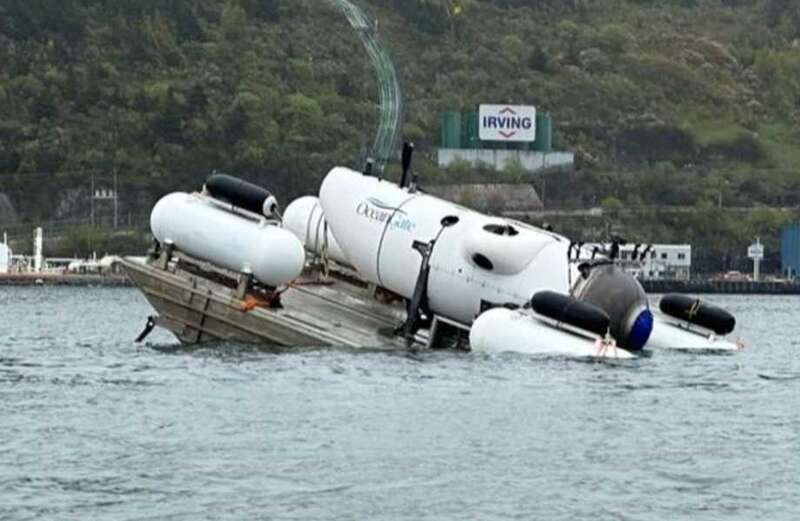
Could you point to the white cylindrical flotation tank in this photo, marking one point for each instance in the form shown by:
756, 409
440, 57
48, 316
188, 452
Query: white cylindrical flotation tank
305, 219
273, 255
503, 330
671, 334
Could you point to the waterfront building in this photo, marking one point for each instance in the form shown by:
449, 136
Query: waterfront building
661, 261
790, 251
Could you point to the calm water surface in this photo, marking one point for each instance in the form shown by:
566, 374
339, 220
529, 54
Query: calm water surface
94, 427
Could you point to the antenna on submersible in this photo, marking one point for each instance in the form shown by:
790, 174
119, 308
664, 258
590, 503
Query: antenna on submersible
408, 154
368, 166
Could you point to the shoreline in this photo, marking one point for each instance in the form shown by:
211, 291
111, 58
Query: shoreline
58, 279
711, 287
699, 287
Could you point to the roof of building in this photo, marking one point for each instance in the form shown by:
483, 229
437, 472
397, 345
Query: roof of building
631, 246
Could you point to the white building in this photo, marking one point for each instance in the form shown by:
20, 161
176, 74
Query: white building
662, 261
5, 258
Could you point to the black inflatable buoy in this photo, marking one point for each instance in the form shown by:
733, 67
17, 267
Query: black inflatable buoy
242, 194
572, 311
695, 311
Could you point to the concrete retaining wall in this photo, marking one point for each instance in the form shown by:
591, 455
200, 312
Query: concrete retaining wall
501, 159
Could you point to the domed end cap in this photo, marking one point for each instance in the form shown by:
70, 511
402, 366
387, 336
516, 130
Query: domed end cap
270, 207
641, 326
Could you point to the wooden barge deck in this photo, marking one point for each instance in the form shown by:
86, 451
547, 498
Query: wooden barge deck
199, 302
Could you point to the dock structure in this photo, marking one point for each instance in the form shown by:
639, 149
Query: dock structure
62, 279
746, 287
199, 302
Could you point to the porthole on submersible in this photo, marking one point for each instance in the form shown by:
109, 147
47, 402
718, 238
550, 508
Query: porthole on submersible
483, 262
501, 229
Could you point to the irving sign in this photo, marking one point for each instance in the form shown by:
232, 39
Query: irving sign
507, 123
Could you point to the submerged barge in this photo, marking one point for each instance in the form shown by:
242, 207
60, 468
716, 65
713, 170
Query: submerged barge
409, 271
199, 302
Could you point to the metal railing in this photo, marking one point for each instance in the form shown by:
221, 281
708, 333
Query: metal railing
391, 99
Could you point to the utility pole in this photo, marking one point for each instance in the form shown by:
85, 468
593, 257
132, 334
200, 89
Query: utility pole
91, 197
116, 200
544, 190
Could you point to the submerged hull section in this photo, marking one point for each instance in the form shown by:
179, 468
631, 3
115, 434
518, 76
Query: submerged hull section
670, 334
197, 307
503, 330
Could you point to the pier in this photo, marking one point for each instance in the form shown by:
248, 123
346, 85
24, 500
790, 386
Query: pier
723, 287
59, 279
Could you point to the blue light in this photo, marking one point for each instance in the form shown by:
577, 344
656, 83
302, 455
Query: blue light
640, 331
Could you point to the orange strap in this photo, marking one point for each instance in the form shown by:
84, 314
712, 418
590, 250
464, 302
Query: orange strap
250, 303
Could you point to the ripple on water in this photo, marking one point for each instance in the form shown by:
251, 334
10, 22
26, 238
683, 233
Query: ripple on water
95, 427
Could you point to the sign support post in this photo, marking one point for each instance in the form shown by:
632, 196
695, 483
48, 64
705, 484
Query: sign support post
756, 253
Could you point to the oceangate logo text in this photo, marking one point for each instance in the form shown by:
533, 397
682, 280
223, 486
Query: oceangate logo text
377, 211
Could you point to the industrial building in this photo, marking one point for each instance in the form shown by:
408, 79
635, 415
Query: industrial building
498, 136
661, 262
790, 251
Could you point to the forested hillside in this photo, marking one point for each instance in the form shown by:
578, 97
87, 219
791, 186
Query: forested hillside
666, 102
165, 91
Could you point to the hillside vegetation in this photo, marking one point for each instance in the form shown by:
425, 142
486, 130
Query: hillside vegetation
670, 103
